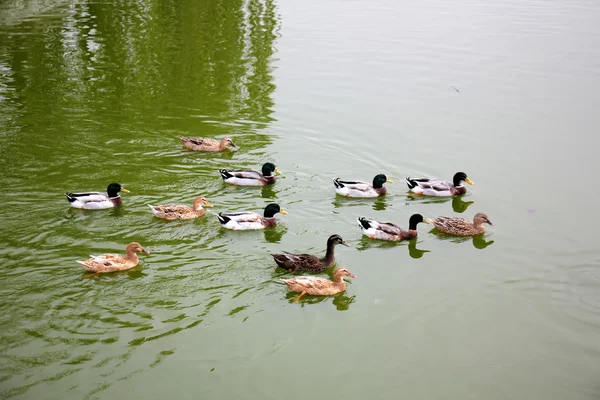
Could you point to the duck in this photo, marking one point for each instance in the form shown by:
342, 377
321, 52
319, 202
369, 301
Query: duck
249, 220
388, 231
208, 144
461, 226
308, 262
115, 262
361, 189
97, 200
319, 286
439, 187
250, 177
180, 211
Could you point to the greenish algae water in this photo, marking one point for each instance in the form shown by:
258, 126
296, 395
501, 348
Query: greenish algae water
95, 92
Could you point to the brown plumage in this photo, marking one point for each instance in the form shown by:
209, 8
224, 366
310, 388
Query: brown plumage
208, 144
461, 226
308, 262
115, 262
319, 286
180, 211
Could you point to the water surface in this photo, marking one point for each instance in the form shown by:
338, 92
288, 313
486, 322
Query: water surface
95, 92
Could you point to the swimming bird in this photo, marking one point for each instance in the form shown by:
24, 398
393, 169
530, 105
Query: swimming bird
319, 286
97, 200
388, 231
250, 177
308, 262
439, 187
461, 226
115, 262
207, 144
361, 189
249, 220
180, 211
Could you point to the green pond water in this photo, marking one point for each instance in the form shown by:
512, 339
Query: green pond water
96, 92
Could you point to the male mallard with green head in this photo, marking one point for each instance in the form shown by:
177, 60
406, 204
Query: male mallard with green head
439, 187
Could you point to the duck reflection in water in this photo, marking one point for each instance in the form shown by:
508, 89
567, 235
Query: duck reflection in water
366, 243
478, 241
275, 234
458, 204
378, 203
267, 192
340, 301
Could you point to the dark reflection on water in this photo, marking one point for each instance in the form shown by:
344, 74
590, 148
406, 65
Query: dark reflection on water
274, 234
377, 203
365, 243
341, 301
413, 251
478, 241
458, 204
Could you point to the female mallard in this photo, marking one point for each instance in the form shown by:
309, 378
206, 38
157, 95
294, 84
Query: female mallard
308, 262
115, 262
207, 144
179, 211
439, 187
388, 231
97, 200
461, 226
249, 220
249, 177
319, 286
361, 189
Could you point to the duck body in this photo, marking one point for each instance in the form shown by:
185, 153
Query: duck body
97, 200
439, 187
114, 262
308, 262
319, 286
250, 177
461, 226
247, 220
360, 188
180, 211
207, 144
389, 231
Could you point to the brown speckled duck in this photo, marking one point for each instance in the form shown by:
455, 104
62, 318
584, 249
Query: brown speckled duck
319, 286
180, 211
461, 226
115, 262
439, 187
207, 144
308, 262
388, 231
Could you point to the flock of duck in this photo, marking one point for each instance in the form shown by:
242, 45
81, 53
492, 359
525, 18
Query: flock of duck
250, 220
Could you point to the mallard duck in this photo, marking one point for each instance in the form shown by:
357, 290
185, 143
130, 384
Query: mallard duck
361, 189
249, 220
208, 144
388, 231
308, 262
97, 200
180, 211
249, 177
115, 262
319, 286
461, 226
439, 187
